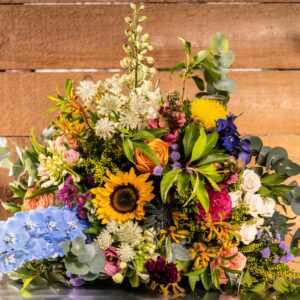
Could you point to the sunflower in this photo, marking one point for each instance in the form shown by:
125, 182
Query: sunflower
207, 112
123, 196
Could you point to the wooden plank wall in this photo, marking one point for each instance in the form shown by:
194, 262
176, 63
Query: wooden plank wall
43, 42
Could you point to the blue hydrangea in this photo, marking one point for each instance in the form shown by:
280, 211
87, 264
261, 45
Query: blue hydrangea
36, 235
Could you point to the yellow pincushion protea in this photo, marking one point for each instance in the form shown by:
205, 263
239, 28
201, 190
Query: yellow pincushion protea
123, 196
207, 111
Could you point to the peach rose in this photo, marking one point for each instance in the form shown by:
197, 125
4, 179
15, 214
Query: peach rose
44, 200
144, 164
237, 263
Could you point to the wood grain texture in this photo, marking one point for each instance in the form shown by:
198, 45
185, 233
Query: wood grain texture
91, 36
268, 100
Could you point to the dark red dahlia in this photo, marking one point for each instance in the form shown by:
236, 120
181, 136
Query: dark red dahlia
220, 203
162, 272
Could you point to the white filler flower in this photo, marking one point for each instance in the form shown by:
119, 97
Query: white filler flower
105, 128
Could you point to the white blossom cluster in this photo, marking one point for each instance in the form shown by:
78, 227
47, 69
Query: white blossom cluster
125, 236
126, 101
259, 207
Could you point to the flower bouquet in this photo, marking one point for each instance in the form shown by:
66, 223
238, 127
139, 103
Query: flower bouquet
131, 186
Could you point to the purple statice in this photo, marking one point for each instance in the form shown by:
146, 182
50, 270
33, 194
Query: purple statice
36, 235
157, 171
176, 165
162, 272
230, 139
277, 237
266, 253
275, 260
258, 234
282, 245
75, 281
174, 146
81, 201
286, 258
175, 156
68, 193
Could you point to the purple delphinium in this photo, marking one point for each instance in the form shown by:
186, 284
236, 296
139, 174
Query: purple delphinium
175, 156
162, 272
266, 253
68, 193
229, 138
157, 171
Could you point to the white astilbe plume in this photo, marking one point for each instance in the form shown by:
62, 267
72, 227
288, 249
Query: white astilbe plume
109, 103
112, 226
129, 232
113, 84
126, 253
105, 128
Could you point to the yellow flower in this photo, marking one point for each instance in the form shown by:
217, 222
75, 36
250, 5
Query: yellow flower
207, 112
123, 196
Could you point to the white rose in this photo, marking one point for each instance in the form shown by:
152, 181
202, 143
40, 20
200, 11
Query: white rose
251, 182
248, 233
255, 204
269, 207
236, 198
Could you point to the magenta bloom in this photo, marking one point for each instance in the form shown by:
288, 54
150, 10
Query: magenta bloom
162, 272
172, 137
178, 119
112, 261
220, 203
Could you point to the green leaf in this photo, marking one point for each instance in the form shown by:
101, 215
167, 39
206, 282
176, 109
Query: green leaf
202, 195
16, 169
199, 83
227, 85
227, 59
261, 159
183, 182
178, 67
78, 246
98, 263
255, 145
272, 179
259, 287
199, 146
247, 279
264, 191
187, 45
89, 253
68, 87
143, 135
31, 168
128, 149
212, 158
11, 207
192, 281
194, 181
144, 148
76, 267
276, 154
189, 139
280, 286
158, 132
35, 144
42, 191
26, 283
166, 183
219, 44
134, 280
229, 270
211, 142
205, 279
196, 272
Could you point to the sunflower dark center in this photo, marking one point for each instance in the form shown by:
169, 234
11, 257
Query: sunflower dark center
124, 199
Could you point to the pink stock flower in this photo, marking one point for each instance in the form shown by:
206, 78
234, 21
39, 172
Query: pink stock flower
172, 137
71, 156
220, 203
178, 119
112, 261
236, 263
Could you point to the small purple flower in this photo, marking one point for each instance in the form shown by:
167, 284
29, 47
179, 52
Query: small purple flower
76, 281
259, 234
157, 171
175, 156
277, 237
276, 260
68, 193
68, 274
266, 253
174, 146
286, 258
176, 165
282, 245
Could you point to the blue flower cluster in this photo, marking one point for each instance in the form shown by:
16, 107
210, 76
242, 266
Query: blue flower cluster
36, 235
229, 138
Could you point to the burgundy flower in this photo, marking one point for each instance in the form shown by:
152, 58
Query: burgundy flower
220, 203
162, 272
172, 137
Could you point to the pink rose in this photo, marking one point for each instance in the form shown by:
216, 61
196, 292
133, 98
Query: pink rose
237, 263
112, 261
220, 203
71, 156
172, 137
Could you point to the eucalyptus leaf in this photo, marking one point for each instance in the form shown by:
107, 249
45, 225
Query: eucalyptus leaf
179, 252
76, 267
219, 44
227, 85
255, 145
78, 246
276, 154
98, 263
88, 254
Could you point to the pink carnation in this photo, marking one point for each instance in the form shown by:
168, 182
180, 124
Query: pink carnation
237, 263
220, 203
112, 261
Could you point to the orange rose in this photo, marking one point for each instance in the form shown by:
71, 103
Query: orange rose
144, 164
44, 200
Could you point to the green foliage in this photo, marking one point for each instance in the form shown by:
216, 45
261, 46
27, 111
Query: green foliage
11, 206
5, 155
86, 260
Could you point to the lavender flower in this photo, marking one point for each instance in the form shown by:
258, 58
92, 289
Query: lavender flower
176, 165
157, 171
282, 245
174, 146
287, 258
266, 253
36, 235
277, 237
276, 260
175, 156
77, 281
